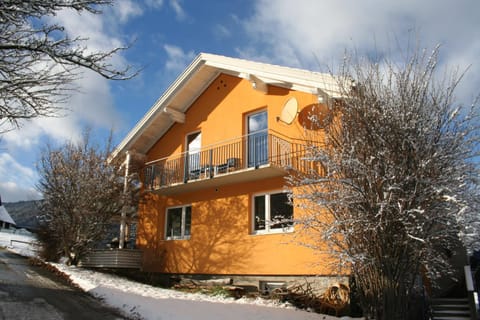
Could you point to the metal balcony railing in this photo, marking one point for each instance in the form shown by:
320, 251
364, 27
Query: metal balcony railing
250, 151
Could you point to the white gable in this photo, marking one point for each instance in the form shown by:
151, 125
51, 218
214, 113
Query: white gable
4, 216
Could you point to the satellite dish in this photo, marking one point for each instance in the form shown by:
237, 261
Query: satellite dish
315, 116
289, 111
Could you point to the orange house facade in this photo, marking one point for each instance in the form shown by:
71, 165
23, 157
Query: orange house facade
216, 147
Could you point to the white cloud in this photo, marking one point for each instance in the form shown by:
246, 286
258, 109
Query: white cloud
92, 105
94, 102
8, 165
179, 12
177, 59
313, 34
126, 9
157, 4
99, 30
17, 182
220, 31
13, 192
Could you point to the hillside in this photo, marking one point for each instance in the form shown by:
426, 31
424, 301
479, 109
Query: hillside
24, 213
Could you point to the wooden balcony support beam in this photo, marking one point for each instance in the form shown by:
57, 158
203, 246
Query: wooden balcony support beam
258, 84
175, 115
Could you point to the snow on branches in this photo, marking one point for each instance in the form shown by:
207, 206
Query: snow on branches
399, 190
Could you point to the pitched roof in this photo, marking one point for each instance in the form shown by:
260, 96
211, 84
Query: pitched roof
170, 107
4, 216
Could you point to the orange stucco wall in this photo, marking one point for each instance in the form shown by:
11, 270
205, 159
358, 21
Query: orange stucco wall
221, 239
219, 113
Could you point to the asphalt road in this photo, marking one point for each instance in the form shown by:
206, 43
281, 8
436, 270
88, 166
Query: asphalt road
32, 292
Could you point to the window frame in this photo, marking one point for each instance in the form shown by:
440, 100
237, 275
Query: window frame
268, 229
257, 160
182, 236
193, 157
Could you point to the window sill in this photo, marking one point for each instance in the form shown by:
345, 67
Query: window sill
274, 231
175, 239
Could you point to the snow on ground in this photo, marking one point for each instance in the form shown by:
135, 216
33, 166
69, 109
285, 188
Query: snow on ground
20, 241
140, 301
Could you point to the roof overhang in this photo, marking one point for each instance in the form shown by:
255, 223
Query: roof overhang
175, 101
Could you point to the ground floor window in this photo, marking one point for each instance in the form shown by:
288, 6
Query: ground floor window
178, 223
272, 212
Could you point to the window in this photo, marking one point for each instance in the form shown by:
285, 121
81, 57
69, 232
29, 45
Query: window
257, 130
178, 223
194, 145
272, 212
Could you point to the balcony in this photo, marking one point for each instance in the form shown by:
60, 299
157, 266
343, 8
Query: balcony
245, 158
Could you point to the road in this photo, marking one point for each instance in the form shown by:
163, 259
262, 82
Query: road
32, 292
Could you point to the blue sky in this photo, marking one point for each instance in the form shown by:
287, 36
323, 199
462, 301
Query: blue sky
167, 34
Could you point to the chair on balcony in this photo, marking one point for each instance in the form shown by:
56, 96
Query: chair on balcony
194, 174
200, 173
231, 165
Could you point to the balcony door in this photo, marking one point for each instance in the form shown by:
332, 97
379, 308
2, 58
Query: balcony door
257, 141
192, 163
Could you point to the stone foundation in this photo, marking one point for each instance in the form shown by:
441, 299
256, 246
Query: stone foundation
263, 283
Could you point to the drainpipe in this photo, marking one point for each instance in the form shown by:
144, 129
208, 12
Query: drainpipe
123, 218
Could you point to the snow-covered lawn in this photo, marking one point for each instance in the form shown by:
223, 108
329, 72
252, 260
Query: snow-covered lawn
20, 241
142, 301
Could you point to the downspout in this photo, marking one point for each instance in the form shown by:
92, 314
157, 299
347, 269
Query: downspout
123, 218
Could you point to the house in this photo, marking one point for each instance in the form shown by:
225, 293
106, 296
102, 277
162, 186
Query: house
5, 220
217, 147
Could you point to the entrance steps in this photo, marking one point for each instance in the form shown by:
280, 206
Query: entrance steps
451, 309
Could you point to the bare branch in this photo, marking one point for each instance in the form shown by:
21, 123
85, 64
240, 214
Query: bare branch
82, 193
39, 62
397, 195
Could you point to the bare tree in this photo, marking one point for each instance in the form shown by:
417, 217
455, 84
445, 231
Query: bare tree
82, 193
395, 193
39, 62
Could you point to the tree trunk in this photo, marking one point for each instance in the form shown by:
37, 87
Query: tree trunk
381, 296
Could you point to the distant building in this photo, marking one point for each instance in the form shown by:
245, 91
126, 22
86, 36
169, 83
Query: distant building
5, 220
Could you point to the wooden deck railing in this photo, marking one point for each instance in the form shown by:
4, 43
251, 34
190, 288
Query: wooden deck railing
113, 258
